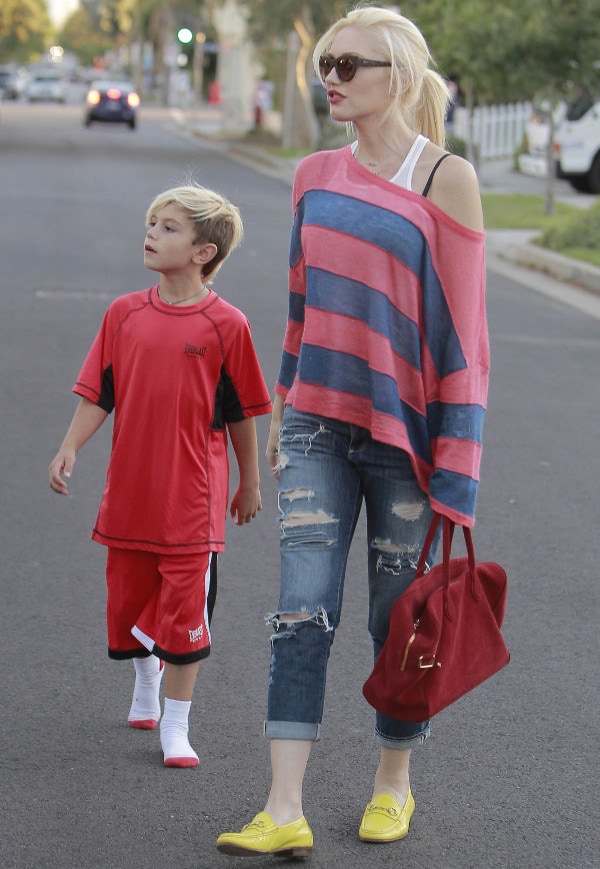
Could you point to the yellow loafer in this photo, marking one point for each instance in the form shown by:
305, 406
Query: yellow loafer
385, 820
262, 836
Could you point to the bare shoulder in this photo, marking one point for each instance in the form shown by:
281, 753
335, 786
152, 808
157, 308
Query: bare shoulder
455, 189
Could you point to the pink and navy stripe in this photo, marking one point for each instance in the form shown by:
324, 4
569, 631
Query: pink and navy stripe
386, 322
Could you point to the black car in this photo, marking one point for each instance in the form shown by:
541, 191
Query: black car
114, 102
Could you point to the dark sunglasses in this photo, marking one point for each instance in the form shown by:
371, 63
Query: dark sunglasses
345, 65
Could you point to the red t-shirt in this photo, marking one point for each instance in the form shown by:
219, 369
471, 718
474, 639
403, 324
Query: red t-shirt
175, 377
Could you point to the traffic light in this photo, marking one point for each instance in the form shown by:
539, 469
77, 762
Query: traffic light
185, 37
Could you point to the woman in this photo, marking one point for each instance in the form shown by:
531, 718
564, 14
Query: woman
380, 397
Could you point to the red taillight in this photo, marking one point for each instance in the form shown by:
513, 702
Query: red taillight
93, 98
113, 94
133, 100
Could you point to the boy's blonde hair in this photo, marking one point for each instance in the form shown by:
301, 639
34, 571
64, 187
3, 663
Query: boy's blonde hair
419, 91
216, 220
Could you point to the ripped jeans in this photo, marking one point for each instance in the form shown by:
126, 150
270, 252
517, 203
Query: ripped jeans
327, 469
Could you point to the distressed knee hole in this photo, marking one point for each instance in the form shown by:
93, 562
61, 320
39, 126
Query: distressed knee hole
394, 558
285, 624
298, 494
410, 511
305, 517
288, 618
308, 528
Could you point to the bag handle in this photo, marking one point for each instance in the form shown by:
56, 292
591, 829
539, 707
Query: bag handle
448, 534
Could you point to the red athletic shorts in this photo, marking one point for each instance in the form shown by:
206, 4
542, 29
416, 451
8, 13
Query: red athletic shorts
161, 603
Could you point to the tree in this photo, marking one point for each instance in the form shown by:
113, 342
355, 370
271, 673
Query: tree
25, 30
475, 39
113, 17
515, 50
271, 20
294, 26
82, 37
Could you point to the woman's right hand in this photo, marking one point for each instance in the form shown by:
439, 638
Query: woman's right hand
272, 451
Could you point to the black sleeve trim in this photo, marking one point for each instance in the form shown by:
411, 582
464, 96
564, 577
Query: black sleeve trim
228, 407
107, 394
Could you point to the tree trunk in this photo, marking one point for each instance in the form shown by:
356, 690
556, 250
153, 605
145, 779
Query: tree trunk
300, 125
549, 203
472, 157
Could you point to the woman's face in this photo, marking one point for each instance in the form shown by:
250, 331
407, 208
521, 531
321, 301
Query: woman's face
367, 95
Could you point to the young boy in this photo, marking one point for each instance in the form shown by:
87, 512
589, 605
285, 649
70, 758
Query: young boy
178, 366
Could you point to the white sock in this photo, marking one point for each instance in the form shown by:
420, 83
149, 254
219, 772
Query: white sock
174, 734
144, 713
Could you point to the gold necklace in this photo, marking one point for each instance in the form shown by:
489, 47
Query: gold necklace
179, 301
373, 165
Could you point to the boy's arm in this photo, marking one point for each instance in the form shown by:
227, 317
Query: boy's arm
246, 502
87, 419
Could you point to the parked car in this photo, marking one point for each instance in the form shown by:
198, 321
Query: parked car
113, 102
578, 145
12, 82
46, 86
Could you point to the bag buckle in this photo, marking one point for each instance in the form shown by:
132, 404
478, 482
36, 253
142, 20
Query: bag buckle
428, 665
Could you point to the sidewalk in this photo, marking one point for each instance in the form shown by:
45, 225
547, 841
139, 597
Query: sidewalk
497, 176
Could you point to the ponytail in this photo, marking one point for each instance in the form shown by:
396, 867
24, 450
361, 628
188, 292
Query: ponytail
429, 113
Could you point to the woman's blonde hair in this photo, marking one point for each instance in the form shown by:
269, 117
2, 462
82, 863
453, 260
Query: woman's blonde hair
216, 220
419, 91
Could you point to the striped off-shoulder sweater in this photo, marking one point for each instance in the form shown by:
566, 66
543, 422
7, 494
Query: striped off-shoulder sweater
387, 325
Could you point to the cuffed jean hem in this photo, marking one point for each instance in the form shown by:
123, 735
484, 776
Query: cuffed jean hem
403, 744
292, 730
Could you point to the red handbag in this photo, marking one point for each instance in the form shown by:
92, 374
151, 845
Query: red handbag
444, 636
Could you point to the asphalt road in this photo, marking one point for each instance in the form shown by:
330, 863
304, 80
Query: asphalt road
509, 777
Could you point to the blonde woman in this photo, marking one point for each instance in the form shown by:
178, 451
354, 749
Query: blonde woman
380, 397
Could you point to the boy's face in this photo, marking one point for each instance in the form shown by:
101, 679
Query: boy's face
169, 244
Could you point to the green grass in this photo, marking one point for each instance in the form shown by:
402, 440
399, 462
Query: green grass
571, 231
290, 152
584, 254
520, 211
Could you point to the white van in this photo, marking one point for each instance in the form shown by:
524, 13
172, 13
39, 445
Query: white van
577, 142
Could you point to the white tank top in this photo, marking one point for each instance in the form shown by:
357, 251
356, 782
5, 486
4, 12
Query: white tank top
403, 176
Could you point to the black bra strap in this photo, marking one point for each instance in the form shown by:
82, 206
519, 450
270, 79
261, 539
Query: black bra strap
433, 171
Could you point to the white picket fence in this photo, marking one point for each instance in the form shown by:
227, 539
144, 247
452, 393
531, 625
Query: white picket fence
495, 131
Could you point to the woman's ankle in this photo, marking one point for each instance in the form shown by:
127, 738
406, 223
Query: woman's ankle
283, 811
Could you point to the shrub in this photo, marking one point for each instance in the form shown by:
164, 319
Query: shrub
579, 230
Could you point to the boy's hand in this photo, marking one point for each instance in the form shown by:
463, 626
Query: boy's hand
87, 419
61, 466
245, 504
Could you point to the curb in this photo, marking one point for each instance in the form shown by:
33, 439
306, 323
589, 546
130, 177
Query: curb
278, 167
563, 268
